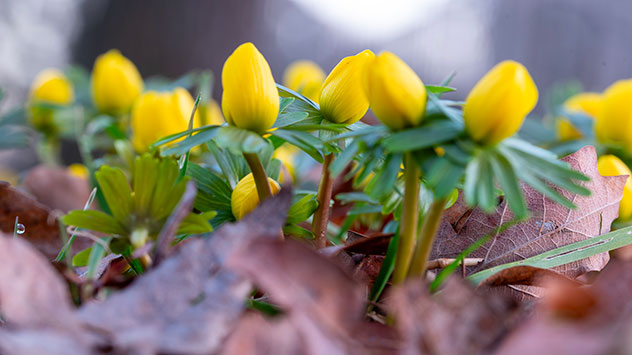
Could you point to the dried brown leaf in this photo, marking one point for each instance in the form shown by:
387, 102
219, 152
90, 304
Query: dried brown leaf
550, 226
57, 189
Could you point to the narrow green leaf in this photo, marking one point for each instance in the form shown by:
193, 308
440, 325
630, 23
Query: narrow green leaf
388, 265
504, 172
297, 231
422, 137
302, 209
81, 258
191, 142
302, 140
94, 220
343, 160
116, 191
385, 178
238, 141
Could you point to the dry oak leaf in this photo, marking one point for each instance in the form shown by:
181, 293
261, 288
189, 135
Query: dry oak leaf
56, 188
550, 226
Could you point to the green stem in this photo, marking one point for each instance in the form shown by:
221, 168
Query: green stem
408, 224
321, 216
259, 174
429, 228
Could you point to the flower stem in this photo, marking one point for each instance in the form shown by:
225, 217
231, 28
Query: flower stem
429, 228
410, 216
321, 216
259, 174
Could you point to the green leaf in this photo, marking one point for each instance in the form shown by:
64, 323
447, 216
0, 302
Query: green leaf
196, 223
504, 172
81, 258
191, 142
347, 197
438, 90
388, 265
286, 92
227, 164
145, 178
364, 131
94, 220
297, 231
285, 102
422, 137
290, 118
443, 176
238, 141
213, 192
566, 254
304, 141
302, 209
173, 137
343, 160
385, 178
116, 191
168, 173
96, 254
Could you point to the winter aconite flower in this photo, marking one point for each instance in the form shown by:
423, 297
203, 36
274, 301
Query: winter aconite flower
250, 99
158, 114
304, 77
499, 103
287, 154
116, 83
586, 103
244, 198
610, 165
397, 95
78, 170
49, 87
342, 97
614, 121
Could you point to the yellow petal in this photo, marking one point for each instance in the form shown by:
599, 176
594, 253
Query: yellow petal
245, 199
396, 94
212, 112
588, 103
51, 86
116, 83
566, 131
614, 120
287, 155
610, 165
304, 77
250, 99
159, 114
342, 97
78, 170
499, 103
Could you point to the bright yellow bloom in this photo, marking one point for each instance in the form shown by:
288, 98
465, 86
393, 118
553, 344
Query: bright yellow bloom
610, 165
342, 97
244, 198
397, 95
116, 83
614, 121
304, 77
78, 170
499, 103
51, 86
587, 103
287, 155
213, 114
159, 114
250, 99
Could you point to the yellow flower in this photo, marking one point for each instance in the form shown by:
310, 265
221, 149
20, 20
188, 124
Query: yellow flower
610, 165
342, 97
499, 103
244, 198
78, 170
614, 120
116, 83
304, 77
52, 87
159, 114
250, 99
213, 114
397, 95
287, 154
587, 103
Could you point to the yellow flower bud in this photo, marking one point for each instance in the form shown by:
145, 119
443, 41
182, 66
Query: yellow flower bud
159, 114
614, 120
51, 87
244, 198
287, 154
116, 83
610, 165
397, 95
499, 103
304, 77
342, 97
587, 103
78, 170
250, 99
213, 114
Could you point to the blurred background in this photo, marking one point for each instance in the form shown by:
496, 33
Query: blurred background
558, 41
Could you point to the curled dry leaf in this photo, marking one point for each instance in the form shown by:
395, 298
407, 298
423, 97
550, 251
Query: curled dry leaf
551, 225
56, 188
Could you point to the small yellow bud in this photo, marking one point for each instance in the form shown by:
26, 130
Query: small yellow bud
287, 154
397, 95
342, 97
304, 77
51, 87
78, 170
159, 114
587, 103
245, 199
499, 103
116, 83
250, 99
614, 120
610, 165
